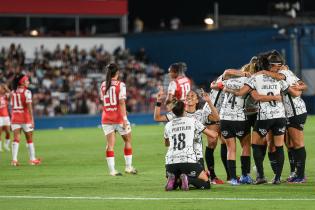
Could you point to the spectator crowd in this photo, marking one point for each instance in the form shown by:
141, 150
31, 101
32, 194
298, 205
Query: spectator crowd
67, 80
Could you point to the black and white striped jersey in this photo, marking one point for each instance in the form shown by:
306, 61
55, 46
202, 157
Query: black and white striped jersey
217, 96
233, 106
293, 105
266, 85
181, 134
202, 117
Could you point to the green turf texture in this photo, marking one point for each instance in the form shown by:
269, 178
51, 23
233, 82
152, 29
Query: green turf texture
74, 165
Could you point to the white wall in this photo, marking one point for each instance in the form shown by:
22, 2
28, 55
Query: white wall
29, 44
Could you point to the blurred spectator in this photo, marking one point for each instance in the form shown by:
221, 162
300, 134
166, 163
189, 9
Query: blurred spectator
175, 23
138, 25
67, 80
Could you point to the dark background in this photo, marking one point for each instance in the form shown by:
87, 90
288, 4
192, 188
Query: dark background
193, 12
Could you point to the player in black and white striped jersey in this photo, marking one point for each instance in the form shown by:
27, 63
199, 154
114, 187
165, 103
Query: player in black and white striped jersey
296, 114
181, 159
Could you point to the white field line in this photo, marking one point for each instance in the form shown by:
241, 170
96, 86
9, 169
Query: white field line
148, 199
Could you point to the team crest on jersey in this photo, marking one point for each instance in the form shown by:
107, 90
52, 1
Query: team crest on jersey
192, 173
262, 131
282, 130
225, 133
240, 133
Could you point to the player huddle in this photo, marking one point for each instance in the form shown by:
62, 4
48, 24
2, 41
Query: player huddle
259, 104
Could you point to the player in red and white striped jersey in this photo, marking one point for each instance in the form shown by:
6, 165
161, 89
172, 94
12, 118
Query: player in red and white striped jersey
22, 118
114, 118
180, 84
4, 116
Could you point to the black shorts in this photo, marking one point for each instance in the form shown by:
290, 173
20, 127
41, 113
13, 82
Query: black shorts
232, 129
251, 118
202, 163
208, 122
297, 121
276, 126
190, 169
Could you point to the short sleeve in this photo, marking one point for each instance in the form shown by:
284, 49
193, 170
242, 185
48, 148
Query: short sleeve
122, 93
28, 96
284, 85
251, 82
170, 116
199, 126
166, 132
171, 87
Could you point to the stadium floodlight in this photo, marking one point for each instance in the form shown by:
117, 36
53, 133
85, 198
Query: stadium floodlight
208, 20
34, 33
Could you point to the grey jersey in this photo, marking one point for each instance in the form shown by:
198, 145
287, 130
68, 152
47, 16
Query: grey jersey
233, 106
217, 96
293, 105
181, 134
266, 85
202, 117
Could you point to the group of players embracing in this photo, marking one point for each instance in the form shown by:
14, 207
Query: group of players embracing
259, 104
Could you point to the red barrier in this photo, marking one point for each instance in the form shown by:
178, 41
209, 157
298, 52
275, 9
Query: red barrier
64, 7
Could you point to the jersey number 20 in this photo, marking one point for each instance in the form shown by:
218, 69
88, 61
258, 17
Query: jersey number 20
111, 95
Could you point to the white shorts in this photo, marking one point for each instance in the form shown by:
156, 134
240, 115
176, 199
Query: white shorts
25, 127
109, 128
5, 121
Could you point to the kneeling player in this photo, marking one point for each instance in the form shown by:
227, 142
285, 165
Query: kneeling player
181, 159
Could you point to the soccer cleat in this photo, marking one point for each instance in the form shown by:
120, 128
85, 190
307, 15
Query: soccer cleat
260, 181
131, 170
246, 179
115, 173
170, 182
6, 147
35, 162
234, 182
291, 177
276, 181
185, 184
216, 180
300, 180
15, 163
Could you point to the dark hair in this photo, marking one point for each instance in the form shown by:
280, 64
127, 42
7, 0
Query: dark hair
178, 108
263, 62
179, 67
275, 57
16, 80
111, 70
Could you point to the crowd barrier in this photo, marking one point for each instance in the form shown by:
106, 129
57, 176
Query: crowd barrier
79, 121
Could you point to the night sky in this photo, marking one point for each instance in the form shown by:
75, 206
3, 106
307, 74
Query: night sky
193, 12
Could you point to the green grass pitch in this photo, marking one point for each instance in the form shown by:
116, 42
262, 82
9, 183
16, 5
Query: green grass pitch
74, 175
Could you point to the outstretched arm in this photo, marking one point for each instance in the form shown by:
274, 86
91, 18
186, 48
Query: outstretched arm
157, 109
229, 73
214, 116
274, 75
240, 92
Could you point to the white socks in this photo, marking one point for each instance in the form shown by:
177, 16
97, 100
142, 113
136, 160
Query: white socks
15, 150
128, 161
111, 164
31, 150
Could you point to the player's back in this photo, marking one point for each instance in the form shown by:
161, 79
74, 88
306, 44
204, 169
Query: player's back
4, 106
19, 100
183, 86
111, 108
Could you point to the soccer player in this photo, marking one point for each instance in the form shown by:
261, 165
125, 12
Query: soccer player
180, 84
114, 118
192, 110
296, 113
271, 117
4, 116
22, 118
181, 159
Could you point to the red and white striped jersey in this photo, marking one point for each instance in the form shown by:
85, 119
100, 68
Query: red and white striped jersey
4, 106
19, 100
179, 88
111, 108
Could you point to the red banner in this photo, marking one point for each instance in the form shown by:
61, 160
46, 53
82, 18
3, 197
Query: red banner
64, 7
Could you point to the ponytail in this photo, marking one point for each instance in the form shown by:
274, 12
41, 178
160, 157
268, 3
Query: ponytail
16, 81
111, 70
